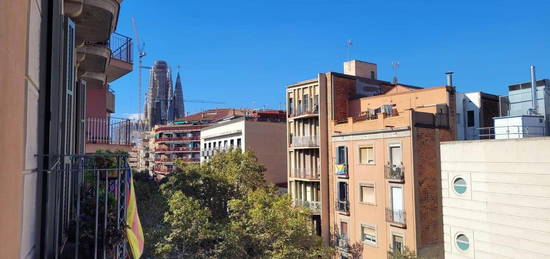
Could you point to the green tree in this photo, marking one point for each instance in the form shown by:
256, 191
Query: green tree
223, 208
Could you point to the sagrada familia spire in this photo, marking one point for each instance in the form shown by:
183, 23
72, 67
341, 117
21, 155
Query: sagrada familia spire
164, 104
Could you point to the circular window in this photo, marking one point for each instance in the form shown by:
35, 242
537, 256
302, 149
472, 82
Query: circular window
459, 185
462, 242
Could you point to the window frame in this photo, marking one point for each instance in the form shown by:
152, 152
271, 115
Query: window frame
360, 192
366, 146
473, 118
368, 242
399, 234
346, 156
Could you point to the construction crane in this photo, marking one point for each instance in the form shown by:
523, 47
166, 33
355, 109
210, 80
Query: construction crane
141, 53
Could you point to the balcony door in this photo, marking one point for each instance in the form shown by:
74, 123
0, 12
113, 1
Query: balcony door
395, 156
397, 203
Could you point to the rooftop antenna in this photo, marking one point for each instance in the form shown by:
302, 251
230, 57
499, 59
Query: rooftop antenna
395, 67
349, 44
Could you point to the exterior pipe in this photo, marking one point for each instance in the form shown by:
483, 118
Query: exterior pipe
533, 90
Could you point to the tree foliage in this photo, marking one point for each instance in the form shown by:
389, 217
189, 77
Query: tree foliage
224, 209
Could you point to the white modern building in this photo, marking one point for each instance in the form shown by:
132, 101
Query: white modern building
475, 110
266, 139
496, 198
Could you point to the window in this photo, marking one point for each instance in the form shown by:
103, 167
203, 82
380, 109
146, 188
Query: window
458, 118
225, 143
372, 76
470, 118
367, 194
395, 156
290, 106
344, 229
238, 142
306, 102
341, 155
459, 185
342, 191
366, 155
462, 242
368, 234
397, 242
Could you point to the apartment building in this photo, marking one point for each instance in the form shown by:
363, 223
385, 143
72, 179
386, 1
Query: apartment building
262, 132
385, 169
173, 142
56, 52
309, 109
496, 198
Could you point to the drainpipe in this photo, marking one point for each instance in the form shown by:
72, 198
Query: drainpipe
533, 90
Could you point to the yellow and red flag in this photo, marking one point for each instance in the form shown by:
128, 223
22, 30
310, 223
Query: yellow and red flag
134, 230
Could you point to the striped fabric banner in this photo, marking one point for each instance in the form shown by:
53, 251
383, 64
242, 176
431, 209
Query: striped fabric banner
134, 231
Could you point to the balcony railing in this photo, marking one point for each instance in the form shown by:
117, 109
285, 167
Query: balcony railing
342, 242
511, 132
108, 131
87, 202
396, 216
121, 47
182, 138
306, 173
314, 206
342, 206
184, 159
394, 173
304, 141
177, 149
312, 111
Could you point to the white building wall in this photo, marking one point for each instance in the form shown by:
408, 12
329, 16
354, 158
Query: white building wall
222, 132
505, 210
467, 102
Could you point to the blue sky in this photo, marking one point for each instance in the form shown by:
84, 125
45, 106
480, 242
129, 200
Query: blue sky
243, 53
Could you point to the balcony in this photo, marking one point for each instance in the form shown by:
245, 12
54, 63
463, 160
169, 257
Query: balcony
121, 57
342, 207
394, 173
342, 243
305, 113
110, 104
88, 194
396, 217
304, 141
95, 19
92, 58
306, 173
110, 133
182, 138
176, 149
341, 170
314, 206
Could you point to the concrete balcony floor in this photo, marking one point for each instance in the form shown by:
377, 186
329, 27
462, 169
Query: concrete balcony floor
96, 21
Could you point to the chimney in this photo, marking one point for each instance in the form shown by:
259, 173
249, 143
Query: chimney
360, 68
449, 78
533, 90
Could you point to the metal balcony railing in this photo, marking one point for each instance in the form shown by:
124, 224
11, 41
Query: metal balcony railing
304, 141
342, 206
511, 132
394, 173
88, 206
176, 138
396, 216
342, 242
314, 110
314, 206
121, 47
114, 131
176, 149
306, 173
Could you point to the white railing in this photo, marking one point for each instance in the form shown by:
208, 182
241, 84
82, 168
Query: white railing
305, 141
108, 130
314, 206
511, 132
306, 173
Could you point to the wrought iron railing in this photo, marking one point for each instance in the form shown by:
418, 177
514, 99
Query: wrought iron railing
121, 47
114, 131
394, 173
88, 205
342, 242
396, 216
342, 206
